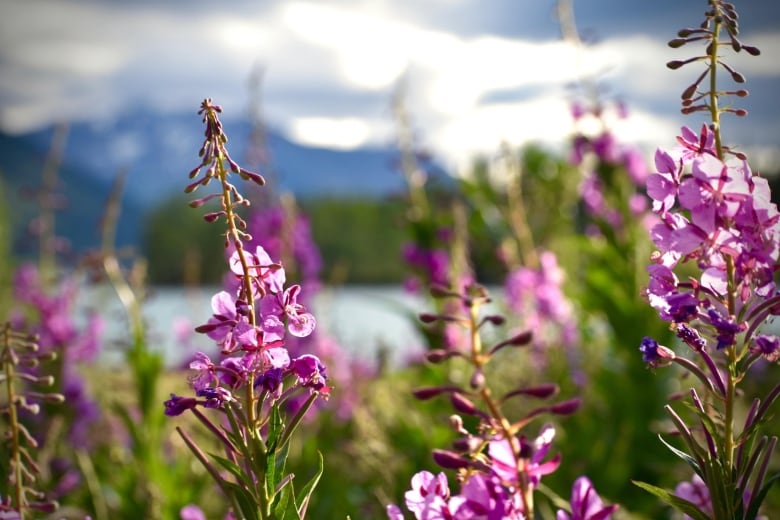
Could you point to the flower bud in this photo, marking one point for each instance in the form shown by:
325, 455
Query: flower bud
438, 355
753, 51
567, 407
467, 444
456, 423
477, 380
463, 405
449, 459
677, 42
426, 393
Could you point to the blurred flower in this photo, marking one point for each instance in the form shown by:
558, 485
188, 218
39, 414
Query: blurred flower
586, 503
695, 492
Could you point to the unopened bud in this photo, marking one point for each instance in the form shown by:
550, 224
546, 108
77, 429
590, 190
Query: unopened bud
427, 317
449, 459
753, 51
463, 405
477, 381
566, 407
456, 423
737, 77
467, 444
426, 393
438, 355
689, 92
677, 42
496, 319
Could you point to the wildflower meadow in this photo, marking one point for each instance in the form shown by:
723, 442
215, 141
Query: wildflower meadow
597, 337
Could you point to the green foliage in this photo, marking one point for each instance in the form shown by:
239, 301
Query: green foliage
180, 247
359, 239
6, 239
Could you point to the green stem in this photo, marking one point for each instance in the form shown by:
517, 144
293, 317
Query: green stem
478, 361
714, 108
13, 419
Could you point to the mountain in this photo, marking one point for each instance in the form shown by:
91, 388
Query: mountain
157, 151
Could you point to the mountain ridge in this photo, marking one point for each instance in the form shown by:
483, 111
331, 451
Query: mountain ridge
157, 151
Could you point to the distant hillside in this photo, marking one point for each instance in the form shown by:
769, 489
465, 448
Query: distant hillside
158, 151
83, 200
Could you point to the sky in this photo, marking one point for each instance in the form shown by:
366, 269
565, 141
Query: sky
476, 74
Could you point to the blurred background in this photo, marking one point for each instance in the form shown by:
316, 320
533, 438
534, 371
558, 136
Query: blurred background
332, 102
311, 84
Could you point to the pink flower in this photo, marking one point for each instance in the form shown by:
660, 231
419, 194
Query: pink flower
585, 503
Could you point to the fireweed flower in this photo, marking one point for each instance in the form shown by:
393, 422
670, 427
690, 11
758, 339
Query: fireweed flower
695, 492
586, 503
537, 297
716, 215
254, 374
498, 467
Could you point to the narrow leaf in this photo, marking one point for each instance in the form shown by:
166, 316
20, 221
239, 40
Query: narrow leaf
756, 501
305, 494
693, 463
679, 503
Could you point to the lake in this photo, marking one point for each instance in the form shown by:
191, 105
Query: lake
360, 318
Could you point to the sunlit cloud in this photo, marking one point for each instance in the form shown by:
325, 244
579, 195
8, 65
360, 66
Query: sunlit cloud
467, 91
323, 132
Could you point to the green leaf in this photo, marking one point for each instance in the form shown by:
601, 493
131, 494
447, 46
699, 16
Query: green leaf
243, 500
756, 501
305, 494
693, 463
679, 503
286, 503
234, 470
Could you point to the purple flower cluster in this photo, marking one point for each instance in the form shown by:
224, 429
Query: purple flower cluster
491, 491
488, 496
253, 353
720, 216
537, 297
432, 266
55, 322
268, 226
250, 321
597, 155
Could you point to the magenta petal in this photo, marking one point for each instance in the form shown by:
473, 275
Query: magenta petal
301, 325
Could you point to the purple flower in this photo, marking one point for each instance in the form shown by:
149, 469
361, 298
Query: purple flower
691, 337
726, 328
229, 328
191, 512
266, 275
205, 372
538, 297
484, 497
270, 380
692, 145
649, 350
586, 503
177, 405
505, 465
767, 346
429, 495
215, 396
662, 186
695, 492
310, 372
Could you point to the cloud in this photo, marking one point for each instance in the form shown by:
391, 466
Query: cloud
344, 133
331, 69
